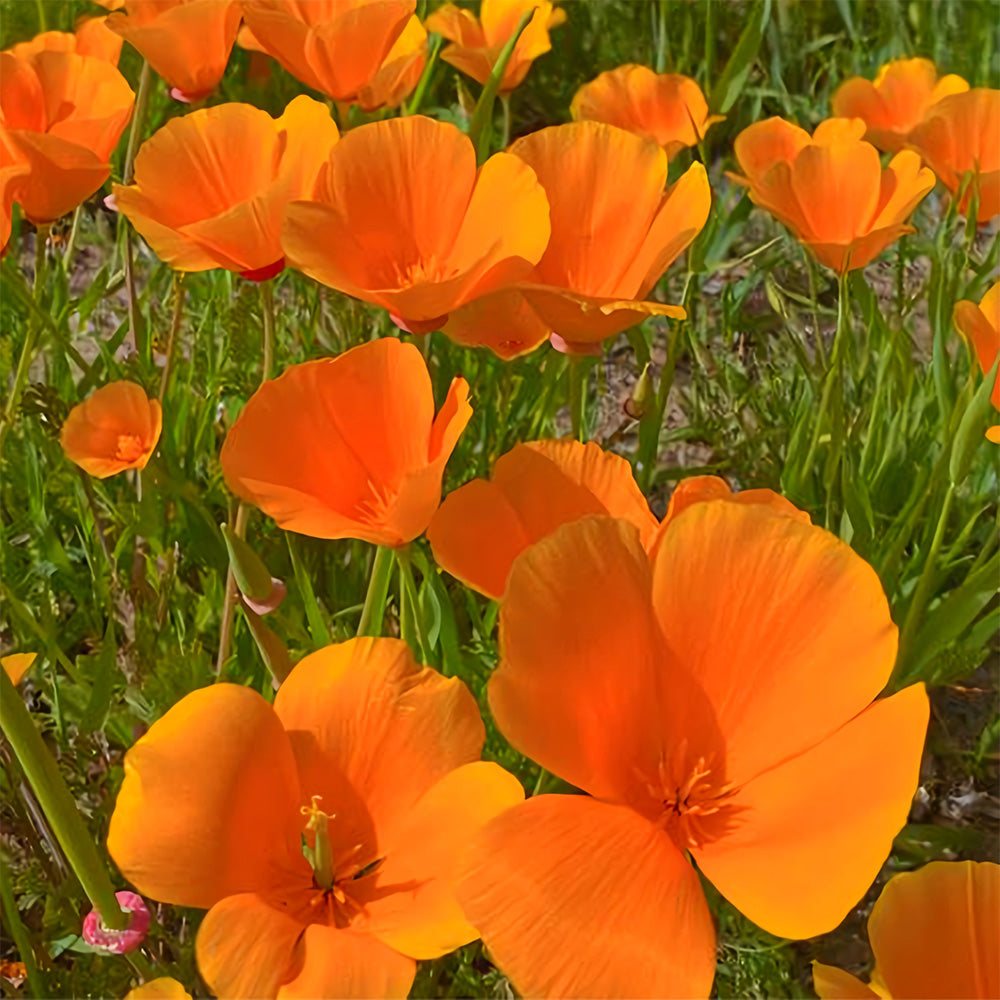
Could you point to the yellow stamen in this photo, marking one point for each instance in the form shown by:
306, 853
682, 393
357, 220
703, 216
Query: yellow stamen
322, 855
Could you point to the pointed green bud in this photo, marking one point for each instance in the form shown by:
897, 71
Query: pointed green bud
643, 396
252, 576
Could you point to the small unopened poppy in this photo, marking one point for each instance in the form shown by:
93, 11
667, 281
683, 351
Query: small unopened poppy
334, 46
186, 41
896, 101
714, 698
91, 38
668, 108
401, 218
476, 43
348, 447
211, 187
830, 188
935, 932
62, 113
959, 136
980, 325
322, 833
16, 665
114, 429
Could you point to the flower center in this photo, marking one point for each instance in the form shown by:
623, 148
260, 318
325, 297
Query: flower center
129, 448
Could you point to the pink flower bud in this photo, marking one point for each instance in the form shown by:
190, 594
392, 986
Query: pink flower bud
118, 942
277, 595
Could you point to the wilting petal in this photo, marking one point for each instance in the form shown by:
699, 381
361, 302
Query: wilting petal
580, 898
831, 983
699, 489
209, 803
813, 832
502, 321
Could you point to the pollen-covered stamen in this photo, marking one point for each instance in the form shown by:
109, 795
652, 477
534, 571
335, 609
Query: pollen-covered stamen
320, 855
129, 448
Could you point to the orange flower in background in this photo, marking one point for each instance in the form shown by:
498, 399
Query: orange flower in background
16, 665
348, 447
668, 108
476, 44
62, 114
830, 190
163, 988
934, 932
402, 218
400, 71
186, 41
715, 698
370, 760
980, 325
335, 46
896, 101
958, 136
114, 429
92, 38
211, 188
12, 171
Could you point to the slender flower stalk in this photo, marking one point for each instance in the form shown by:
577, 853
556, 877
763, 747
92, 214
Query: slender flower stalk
378, 588
175, 326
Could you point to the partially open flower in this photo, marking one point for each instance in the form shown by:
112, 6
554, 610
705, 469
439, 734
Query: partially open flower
668, 108
476, 44
348, 447
91, 38
830, 188
112, 430
211, 188
186, 41
980, 325
896, 101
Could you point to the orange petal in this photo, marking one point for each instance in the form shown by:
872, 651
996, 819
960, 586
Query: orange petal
209, 803
16, 665
457, 25
904, 184
980, 325
813, 832
763, 144
831, 983
502, 321
163, 988
860, 252
580, 898
858, 98
763, 610
390, 727
400, 70
935, 932
698, 489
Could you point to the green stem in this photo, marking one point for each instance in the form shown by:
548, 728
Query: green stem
378, 588
505, 104
229, 598
814, 301
579, 369
413, 105
71, 242
175, 326
409, 589
138, 120
22, 942
267, 310
58, 805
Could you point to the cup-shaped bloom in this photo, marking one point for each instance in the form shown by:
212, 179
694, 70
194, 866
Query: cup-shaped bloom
830, 189
114, 429
211, 187
959, 136
980, 325
91, 38
714, 696
476, 44
334, 46
370, 760
401, 218
895, 101
63, 114
348, 447
666, 107
186, 41
935, 932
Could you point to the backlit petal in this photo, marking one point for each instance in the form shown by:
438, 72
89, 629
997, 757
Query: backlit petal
502, 321
766, 143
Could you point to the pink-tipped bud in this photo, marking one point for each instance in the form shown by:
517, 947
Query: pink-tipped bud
277, 595
111, 203
118, 942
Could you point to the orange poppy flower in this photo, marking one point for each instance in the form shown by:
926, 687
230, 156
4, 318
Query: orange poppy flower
370, 760
830, 189
13, 170
896, 101
668, 108
334, 46
186, 41
476, 44
16, 665
197, 212
935, 933
400, 71
348, 447
163, 988
92, 38
114, 429
980, 325
959, 135
62, 113
402, 218
715, 699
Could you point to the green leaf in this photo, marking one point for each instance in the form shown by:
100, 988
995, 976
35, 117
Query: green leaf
730, 85
972, 428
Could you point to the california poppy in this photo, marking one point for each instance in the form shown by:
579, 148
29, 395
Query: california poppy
830, 189
476, 44
163, 988
668, 108
62, 114
980, 325
211, 187
959, 136
186, 41
114, 429
714, 697
91, 38
334, 46
16, 665
13, 169
402, 218
348, 447
400, 70
502, 321
935, 932
370, 760
895, 101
